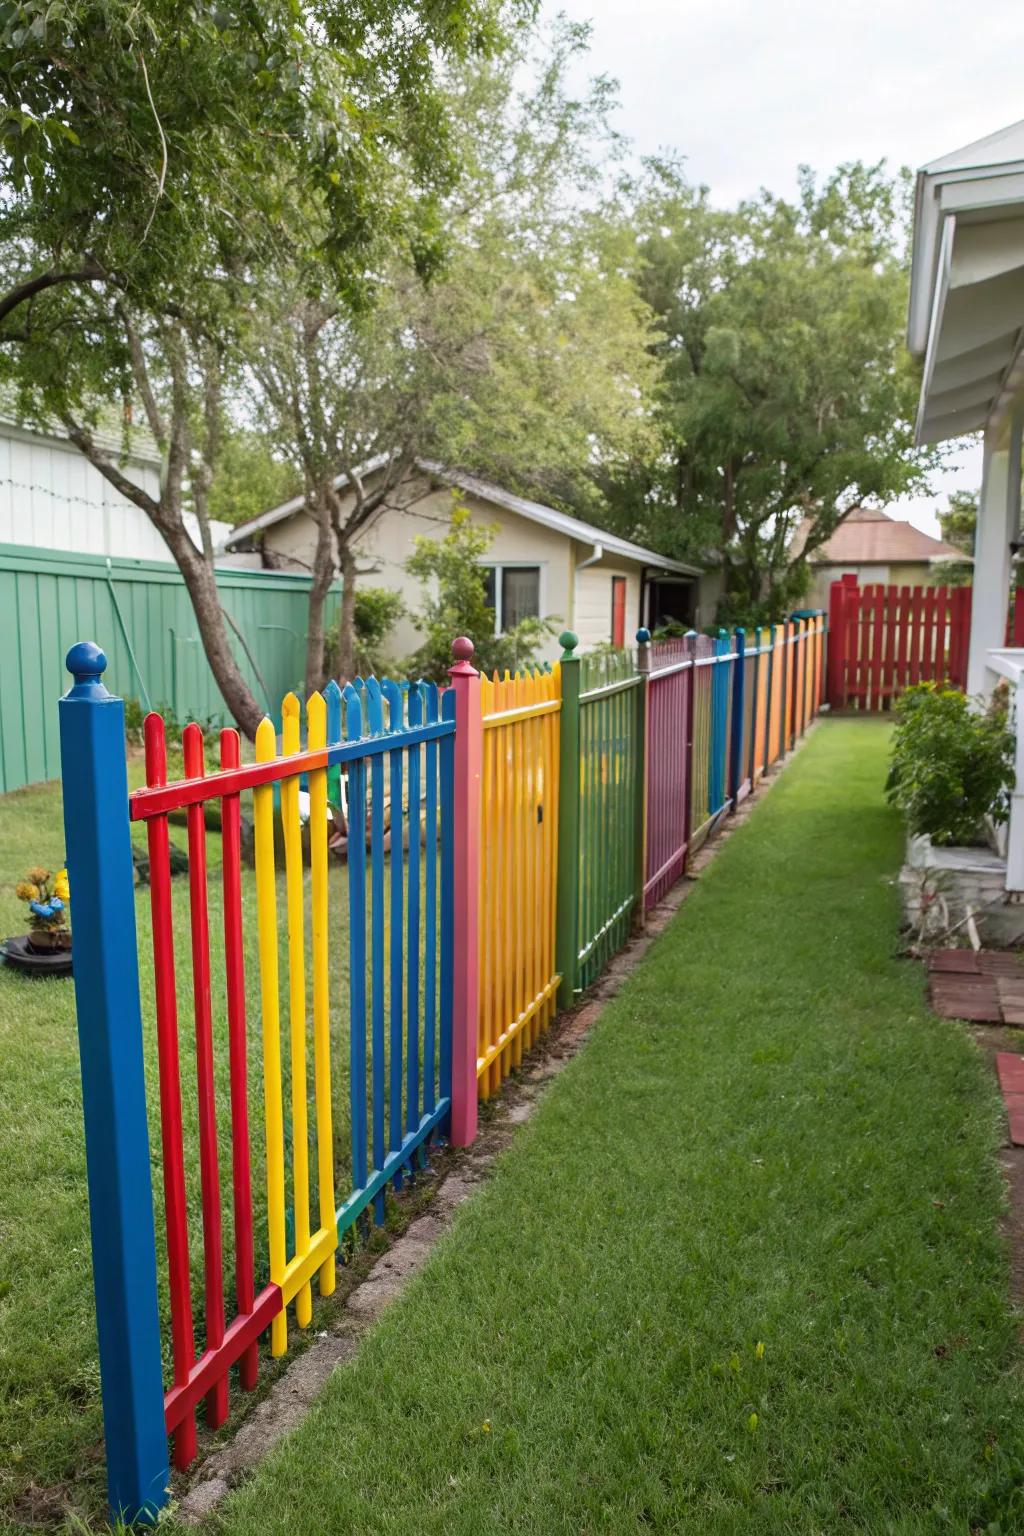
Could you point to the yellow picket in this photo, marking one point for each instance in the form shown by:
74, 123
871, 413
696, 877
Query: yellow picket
518, 867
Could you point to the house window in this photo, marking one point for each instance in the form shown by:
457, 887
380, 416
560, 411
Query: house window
513, 591
618, 611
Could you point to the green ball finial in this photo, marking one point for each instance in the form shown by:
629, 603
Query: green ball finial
568, 641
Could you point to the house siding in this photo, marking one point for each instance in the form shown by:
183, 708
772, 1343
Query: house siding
385, 546
52, 498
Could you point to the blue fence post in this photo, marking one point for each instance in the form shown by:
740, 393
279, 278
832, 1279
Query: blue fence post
736, 735
98, 841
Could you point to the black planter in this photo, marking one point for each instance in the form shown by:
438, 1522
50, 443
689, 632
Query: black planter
20, 956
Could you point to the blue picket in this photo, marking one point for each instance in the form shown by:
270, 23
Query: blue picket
357, 938
393, 694
375, 723
412, 977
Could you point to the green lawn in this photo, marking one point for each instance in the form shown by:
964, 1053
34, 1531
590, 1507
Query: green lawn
50, 1420
767, 1140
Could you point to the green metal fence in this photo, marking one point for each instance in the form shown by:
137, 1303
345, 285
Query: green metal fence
49, 598
603, 689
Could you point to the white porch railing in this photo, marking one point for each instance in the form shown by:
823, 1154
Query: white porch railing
1008, 663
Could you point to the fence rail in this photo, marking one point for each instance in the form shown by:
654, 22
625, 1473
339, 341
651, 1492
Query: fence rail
500, 839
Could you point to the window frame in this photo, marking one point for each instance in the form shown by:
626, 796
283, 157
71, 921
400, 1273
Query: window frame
498, 566
620, 582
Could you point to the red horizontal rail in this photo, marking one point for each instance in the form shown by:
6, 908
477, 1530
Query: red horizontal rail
159, 799
214, 1364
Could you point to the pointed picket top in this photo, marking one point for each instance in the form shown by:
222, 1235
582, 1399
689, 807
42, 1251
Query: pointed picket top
316, 719
393, 693
374, 707
289, 724
353, 713
415, 703
332, 697
266, 741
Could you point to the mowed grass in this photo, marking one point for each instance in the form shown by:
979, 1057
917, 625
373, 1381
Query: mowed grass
766, 1141
50, 1416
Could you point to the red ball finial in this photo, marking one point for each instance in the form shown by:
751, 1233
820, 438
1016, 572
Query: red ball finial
462, 648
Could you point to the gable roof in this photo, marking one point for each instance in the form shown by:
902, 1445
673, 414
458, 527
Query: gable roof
868, 536
486, 490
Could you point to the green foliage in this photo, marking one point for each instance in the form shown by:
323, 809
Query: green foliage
786, 390
951, 765
526, 357
378, 610
249, 478
958, 524
454, 603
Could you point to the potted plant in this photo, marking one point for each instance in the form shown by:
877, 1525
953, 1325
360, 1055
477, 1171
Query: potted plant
951, 773
46, 947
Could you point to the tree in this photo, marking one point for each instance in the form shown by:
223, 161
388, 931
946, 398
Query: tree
787, 396
525, 358
159, 161
250, 478
455, 603
958, 524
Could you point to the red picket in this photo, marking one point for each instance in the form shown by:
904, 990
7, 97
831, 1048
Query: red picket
209, 1173
234, 965
175, 1205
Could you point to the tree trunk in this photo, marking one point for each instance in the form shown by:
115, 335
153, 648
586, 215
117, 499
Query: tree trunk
201, 584
323, 575
347, 627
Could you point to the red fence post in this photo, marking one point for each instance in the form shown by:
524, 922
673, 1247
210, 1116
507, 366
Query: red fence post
465, 975
836, 646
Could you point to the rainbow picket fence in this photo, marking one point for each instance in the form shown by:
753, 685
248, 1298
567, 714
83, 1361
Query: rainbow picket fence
321, 1020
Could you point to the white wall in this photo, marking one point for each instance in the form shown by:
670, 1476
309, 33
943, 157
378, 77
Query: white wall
52, 497
592, 617
386, 545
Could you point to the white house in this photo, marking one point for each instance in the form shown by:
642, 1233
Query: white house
542, 563
966, 322
51, 497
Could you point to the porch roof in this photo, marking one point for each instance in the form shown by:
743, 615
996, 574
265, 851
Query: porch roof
966, 317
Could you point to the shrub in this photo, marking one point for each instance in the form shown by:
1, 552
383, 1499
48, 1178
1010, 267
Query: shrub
951, 764
378, 610
454, 603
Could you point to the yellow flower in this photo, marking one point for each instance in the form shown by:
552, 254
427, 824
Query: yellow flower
38, 875
61, 888
752, 1423
758, 1347
26, 891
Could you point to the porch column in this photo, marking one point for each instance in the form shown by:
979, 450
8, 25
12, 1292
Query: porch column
998, 525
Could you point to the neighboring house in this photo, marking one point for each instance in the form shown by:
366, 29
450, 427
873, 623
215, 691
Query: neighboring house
874, 547
541, 564
51, 497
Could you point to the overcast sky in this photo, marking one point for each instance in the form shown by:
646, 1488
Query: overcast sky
749, 89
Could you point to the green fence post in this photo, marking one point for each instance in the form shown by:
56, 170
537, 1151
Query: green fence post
567, 911
643, 666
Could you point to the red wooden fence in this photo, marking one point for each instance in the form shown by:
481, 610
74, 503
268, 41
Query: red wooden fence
883, 639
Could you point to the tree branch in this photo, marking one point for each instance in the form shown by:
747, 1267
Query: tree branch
91, 273
83, 441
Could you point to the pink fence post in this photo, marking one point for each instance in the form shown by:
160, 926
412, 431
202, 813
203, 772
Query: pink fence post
465, 975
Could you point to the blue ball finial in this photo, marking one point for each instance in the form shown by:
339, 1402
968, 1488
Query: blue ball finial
86, 662
643, 636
